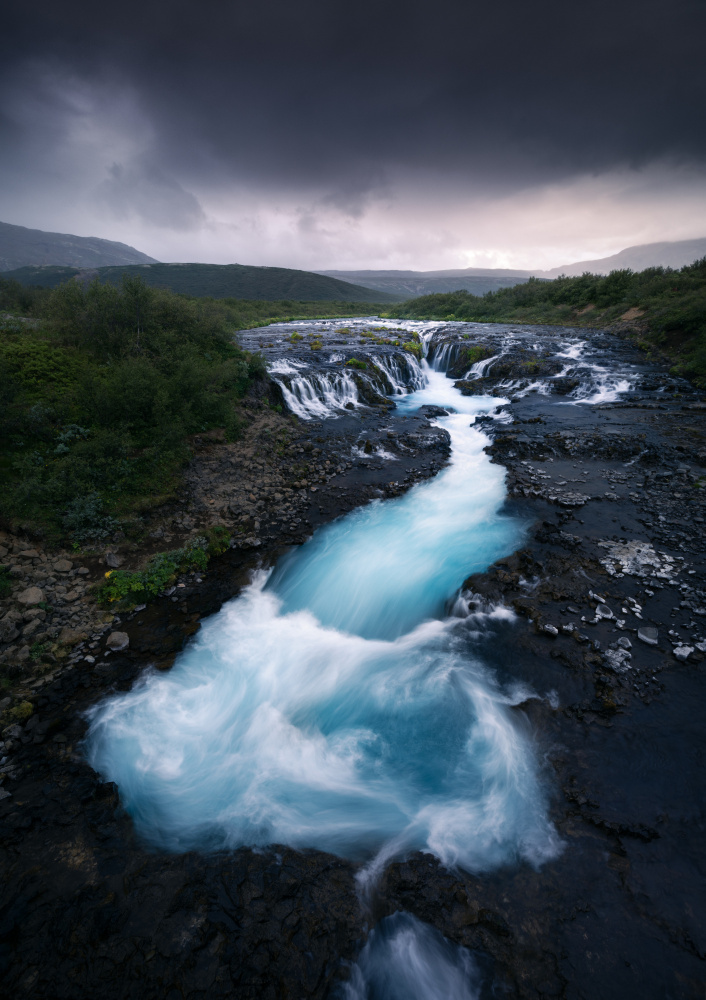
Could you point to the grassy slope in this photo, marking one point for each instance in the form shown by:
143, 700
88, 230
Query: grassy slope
100, 390
219, 281
658, 307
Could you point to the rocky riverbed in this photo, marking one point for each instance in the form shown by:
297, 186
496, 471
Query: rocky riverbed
606, 462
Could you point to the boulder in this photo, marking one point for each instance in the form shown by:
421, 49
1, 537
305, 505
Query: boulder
113, 560
117, 641
32, 595
63, 566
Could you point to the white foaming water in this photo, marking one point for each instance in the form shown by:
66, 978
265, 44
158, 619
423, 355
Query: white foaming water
330, 706
401, 560
318, 396
404, 375
605, 389
479, 369
285, 366
404, 959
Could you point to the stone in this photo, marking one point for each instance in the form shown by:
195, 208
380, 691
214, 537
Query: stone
113, 560
117, 641
32, 595
617, 659
70, 636
648, 635
30, 629
62, 566
624, 642
683, 652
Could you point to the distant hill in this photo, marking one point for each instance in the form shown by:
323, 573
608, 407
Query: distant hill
637, 258
219, 281
410, 284
20, 247
479, 280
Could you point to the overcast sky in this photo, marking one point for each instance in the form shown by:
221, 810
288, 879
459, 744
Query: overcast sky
322, 134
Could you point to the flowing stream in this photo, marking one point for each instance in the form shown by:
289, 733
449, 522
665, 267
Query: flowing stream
340, 702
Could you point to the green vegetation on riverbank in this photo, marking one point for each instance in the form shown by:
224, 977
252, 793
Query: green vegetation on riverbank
658, 307
101, 388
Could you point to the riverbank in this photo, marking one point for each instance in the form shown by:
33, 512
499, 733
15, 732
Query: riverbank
88, 910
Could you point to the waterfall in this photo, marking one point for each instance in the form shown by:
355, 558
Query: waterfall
403, 372
316, 396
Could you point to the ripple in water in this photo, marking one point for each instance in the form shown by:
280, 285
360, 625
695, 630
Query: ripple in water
333, 707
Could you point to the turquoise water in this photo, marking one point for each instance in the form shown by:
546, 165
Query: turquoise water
404, 959
333, 705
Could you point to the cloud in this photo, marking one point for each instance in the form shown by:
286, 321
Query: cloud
143, 191
395, 130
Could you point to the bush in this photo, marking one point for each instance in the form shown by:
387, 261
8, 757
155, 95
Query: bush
98, 400
355, 363
132, 587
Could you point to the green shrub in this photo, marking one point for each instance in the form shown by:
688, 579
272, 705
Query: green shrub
356, 363
22, 711
140, 586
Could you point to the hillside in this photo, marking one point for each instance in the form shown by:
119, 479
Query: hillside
658, 307
21, 247
637, 258
217, 281
409, 284
481, 280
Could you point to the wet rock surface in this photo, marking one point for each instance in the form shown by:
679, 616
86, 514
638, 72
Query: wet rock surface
609, 595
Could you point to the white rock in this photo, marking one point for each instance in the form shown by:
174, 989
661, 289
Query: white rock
683, 652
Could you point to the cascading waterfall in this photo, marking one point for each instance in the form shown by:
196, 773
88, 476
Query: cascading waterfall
403, 374
479, 369
318, 396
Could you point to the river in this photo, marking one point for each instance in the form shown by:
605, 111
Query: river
340, 701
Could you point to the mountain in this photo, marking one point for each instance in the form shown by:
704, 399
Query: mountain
637, 258
410, 284
479, 280
219, 281
20, 247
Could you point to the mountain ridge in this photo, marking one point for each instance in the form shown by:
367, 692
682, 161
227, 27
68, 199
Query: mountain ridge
23, 247
218, 281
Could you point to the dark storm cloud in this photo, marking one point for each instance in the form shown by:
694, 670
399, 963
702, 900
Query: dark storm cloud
142, 189
329, 96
